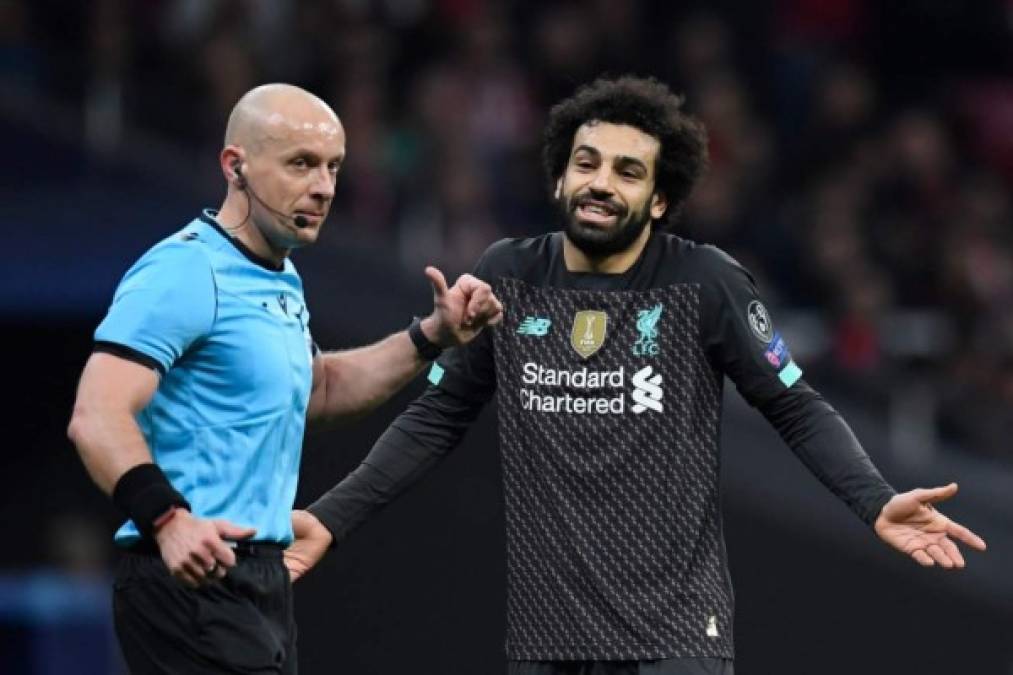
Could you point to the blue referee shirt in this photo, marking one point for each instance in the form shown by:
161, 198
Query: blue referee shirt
229, 333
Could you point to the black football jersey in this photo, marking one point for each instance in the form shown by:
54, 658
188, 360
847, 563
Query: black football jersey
609, 396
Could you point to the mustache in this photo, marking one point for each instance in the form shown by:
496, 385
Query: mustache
616, 208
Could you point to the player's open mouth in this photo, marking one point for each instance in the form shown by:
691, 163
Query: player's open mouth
592, 211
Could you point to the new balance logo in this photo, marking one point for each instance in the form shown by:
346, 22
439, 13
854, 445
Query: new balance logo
534, 325
647, 392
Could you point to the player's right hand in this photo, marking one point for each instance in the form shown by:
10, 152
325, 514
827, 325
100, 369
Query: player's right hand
312, 540
195, 550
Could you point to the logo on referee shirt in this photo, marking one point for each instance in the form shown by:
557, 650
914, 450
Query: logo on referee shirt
588, 333
759, 321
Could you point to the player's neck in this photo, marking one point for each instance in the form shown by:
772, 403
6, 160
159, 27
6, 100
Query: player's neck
616, 263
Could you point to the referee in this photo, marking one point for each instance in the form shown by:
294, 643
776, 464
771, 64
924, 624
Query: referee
190, 412
608, 373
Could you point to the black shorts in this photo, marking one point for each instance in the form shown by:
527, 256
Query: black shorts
243, 623
659, 667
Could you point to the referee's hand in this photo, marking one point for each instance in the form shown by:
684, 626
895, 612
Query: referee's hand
195, 550
461, 311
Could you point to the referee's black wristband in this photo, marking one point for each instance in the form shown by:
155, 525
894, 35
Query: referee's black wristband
144, 493
427, 350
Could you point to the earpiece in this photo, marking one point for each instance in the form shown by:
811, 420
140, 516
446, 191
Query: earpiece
240, 180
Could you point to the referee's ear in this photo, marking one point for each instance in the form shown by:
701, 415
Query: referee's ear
559, 187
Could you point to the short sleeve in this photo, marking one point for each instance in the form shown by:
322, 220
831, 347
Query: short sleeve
741, 337
469, 371
164, 303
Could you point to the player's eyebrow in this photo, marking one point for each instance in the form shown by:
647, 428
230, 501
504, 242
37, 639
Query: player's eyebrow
624, 161
619, 161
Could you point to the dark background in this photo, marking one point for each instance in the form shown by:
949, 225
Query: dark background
862, 157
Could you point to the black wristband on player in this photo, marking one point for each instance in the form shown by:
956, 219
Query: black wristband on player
144, 493
427, 350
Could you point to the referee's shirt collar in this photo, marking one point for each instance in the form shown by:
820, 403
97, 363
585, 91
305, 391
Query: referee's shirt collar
210, 216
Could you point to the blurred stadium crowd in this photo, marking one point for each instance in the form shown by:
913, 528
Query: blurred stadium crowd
861, 152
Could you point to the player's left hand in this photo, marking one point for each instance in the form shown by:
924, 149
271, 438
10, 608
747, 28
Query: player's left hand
461, 311
910, 523
312, 540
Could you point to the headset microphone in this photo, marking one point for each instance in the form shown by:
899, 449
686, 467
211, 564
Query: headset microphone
299, 220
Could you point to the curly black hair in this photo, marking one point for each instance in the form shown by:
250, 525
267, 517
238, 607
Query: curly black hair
644, 103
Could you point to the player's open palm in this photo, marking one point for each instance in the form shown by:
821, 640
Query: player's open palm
911, 524
312, 540
462, 310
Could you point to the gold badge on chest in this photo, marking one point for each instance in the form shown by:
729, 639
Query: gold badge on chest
588, 334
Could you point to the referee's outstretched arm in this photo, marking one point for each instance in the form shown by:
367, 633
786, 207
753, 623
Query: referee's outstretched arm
351, 383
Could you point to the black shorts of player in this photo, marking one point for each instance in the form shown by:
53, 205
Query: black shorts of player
243, 623
659, 667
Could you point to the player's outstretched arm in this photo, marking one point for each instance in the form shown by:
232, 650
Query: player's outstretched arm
311, 542
911, 524
350, 383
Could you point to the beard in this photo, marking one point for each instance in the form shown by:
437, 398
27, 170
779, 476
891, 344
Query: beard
599, 242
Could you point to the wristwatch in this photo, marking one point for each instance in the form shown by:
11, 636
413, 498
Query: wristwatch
427, 350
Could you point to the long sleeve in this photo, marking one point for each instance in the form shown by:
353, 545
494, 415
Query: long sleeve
415, 443
824, 442
743, 343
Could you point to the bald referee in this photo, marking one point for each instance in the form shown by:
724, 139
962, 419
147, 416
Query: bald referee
190, 412
608, 371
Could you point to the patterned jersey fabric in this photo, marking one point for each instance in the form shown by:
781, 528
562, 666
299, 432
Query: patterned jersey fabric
609, 397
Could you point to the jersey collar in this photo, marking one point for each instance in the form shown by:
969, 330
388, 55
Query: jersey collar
208, 216
649, 253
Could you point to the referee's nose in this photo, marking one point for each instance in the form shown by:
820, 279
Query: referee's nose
322, 188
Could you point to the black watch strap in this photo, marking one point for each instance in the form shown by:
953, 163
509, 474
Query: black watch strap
427, 350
